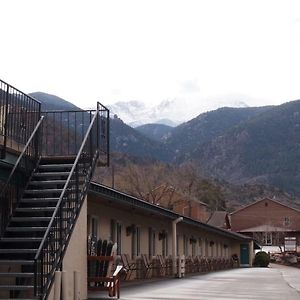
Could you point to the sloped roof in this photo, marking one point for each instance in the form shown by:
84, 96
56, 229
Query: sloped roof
218, 218
265, 228
264, 199
120, 197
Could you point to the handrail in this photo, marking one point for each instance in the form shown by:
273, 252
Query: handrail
66, 185
20, 91
21, 155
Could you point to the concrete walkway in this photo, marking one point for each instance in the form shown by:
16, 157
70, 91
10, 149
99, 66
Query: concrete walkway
275, 282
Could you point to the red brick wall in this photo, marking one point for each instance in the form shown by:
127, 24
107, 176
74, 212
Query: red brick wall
265, 212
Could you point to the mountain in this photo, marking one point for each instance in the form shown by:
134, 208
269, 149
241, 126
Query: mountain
264, 149
127, 140
123, 138
51, 102
243, 146
187, 137
168, 112
157, 132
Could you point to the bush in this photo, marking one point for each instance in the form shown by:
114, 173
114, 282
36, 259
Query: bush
261, 259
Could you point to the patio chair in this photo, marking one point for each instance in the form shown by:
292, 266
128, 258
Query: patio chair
128, 265
162, 265
148, 266
103, 277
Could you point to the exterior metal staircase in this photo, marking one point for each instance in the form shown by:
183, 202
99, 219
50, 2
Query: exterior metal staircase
28, 224
39, 214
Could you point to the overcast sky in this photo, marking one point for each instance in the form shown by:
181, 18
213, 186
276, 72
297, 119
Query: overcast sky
151, 51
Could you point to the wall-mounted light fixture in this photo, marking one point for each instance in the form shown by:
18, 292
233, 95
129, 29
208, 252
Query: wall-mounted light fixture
130, 229
162, 235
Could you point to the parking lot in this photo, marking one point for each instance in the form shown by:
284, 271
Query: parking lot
276, 283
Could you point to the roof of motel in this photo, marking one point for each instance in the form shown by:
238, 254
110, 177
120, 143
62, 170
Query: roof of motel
122, 198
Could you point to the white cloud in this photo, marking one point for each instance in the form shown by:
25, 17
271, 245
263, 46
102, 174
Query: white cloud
86, 51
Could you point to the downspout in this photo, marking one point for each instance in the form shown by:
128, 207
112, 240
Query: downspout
174, 248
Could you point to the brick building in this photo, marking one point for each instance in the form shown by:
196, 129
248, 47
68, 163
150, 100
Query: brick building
267, 221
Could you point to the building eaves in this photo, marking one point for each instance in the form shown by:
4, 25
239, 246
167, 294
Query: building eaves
117, 196
260, 200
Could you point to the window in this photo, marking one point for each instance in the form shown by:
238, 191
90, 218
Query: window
185, 245
193, 249
165, 245
268, 238
151, 242
119, 238
287, 221
200, 247
113, 231
92, 226
138, 241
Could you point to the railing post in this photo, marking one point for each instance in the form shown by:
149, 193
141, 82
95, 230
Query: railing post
5, 122
35, 278
108, 140
37, 143
41, 273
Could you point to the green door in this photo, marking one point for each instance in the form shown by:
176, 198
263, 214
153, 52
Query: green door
244, 254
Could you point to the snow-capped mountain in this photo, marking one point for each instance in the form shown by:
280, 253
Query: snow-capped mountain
169, 112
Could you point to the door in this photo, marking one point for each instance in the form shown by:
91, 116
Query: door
244, 254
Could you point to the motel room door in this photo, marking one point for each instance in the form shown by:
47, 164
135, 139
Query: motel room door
244, 255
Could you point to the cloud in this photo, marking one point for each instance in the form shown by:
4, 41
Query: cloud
190, 87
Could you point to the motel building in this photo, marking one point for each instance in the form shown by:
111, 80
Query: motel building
50, 210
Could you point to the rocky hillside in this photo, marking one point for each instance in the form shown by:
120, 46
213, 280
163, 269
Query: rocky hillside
252, 146
264, 149
156, 132
189, 136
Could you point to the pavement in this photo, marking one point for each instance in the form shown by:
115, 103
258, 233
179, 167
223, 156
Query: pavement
276, 282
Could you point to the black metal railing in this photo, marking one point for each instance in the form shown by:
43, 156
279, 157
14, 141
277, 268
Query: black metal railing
54, 244
12, 190
19, 114
64, 131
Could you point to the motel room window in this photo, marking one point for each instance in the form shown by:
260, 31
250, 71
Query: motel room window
116, 234
113, 231
165, 245
151, 242
135, 242
138, 241
119, 238
200, 246
92, 225
193, 248
185, 245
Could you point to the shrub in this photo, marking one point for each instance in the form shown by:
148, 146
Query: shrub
261, 259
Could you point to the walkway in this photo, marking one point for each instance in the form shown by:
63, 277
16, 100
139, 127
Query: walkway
275, 282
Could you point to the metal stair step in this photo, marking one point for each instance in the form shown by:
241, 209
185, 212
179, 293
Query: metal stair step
30, 219
55, 166
21, 299
44, 191
16, 287
20, 239
50, 174
47, 182
34, 200
21, 251
13, 274
16, 262
34, 209
24, 229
